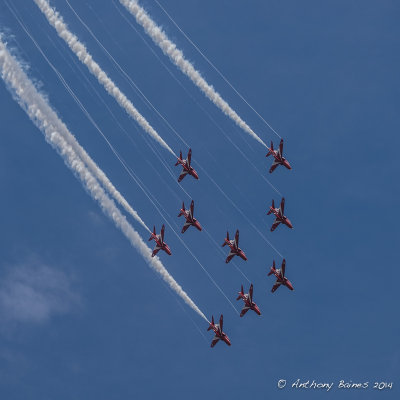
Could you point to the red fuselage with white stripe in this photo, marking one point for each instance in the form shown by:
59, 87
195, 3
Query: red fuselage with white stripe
186, 165
190, 220
234, 246
248, 301
219, 334
280, 276
160, 244
280, 218
278, 157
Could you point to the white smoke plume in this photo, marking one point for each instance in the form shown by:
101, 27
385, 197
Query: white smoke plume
177, 57
85, 57
55, 132
99, 174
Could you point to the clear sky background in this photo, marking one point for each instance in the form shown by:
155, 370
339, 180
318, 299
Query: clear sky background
81, 314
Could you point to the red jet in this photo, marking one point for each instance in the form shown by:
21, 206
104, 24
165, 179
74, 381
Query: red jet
160, 244
280, 276
248, 301
190, 220
187, 168
280, 218
219, 335
234, 245
278, 155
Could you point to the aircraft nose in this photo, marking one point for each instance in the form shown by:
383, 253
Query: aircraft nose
289, 224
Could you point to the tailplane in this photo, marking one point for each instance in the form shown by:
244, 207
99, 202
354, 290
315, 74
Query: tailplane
153, 234
182, 210
211, 323
179, 159
270, 150
273, 206
240, 293
273, 269
227, 239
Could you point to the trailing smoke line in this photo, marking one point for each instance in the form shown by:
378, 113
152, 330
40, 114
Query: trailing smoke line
135, 178
215, 68
99, 174
176, 56
56, 134
57, 22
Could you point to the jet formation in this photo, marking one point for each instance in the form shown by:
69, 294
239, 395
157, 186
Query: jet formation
233, 244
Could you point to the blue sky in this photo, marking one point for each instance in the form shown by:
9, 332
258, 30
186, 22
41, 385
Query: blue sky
82, 315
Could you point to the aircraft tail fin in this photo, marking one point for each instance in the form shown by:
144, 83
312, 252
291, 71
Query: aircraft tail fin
211, 323
270, 150
227, 239
272, 268
183, 208
273, 206
240, 293
179, 159
154, 233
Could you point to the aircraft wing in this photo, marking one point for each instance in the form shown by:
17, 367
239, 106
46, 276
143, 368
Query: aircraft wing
215, 341
156, 250
277, 284
162, 233
281, 147
237, 239
251, 293
191, 209
283, 205
283, 267
275, 224
244, 310
273, 166
182, 175
221, 322
189, 157
185, 227
230, 256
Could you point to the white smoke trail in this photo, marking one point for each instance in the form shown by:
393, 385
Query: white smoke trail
55, 132
134, 86
215, 68
122, 71
176, 56
95, 170
122, 161
81, 52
